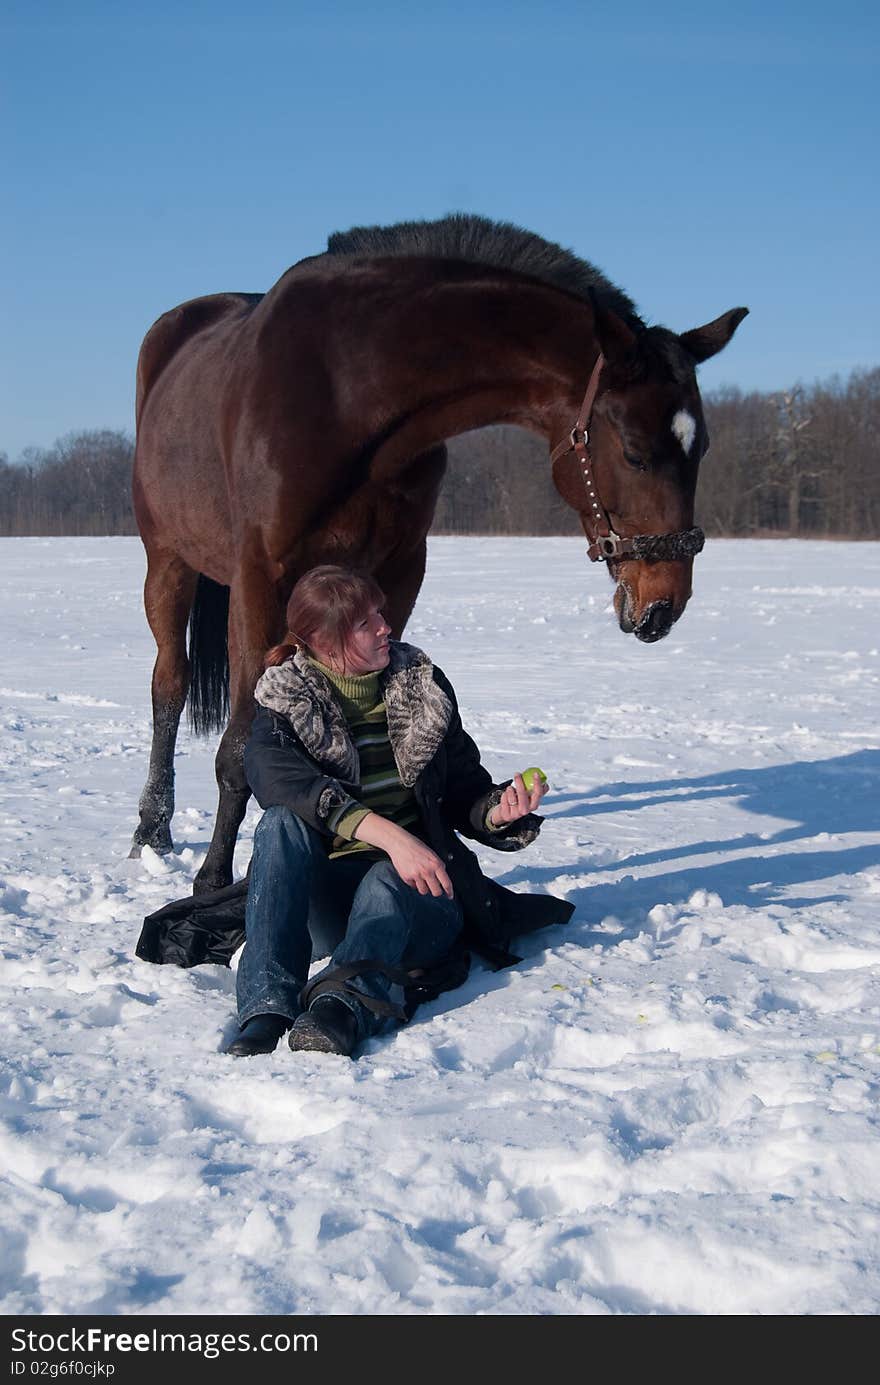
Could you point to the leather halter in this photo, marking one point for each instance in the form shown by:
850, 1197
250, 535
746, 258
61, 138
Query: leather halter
606, 545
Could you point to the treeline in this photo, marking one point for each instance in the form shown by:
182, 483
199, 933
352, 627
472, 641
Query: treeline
81, 485
800, 462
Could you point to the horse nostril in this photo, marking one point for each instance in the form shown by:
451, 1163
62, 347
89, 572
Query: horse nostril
656, 622
623, 607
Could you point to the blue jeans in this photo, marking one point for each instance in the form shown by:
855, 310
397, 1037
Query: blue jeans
301, 905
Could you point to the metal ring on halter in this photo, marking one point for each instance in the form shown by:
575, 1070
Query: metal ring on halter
611, 545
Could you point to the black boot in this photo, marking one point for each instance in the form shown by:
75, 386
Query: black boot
328, 1026
259, 1034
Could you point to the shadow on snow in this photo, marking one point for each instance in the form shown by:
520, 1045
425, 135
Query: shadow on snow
813, 798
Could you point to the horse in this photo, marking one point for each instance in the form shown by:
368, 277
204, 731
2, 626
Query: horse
308, 425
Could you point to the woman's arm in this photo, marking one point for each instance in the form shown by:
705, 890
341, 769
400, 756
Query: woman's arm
280, 773
415, 863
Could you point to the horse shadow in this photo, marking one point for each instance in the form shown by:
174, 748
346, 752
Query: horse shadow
817, 800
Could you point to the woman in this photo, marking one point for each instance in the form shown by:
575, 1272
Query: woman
359, 758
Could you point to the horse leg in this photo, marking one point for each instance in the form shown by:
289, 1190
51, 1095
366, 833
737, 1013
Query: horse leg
400, 578
168, 596
255, 622
401, 572
216, 869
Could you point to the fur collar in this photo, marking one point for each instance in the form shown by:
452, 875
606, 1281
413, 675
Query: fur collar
419, 712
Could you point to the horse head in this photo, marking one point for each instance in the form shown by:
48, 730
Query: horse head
633, 473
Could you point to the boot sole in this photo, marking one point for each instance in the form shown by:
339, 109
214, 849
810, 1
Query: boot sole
237, 1050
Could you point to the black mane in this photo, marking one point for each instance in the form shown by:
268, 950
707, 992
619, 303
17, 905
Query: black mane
496, 243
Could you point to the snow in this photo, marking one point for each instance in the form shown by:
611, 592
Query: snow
668, 1107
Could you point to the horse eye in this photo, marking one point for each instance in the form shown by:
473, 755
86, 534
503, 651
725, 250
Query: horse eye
635, 461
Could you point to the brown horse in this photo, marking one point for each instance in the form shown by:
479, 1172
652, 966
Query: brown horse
307, 425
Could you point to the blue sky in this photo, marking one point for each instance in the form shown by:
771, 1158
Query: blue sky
703, 155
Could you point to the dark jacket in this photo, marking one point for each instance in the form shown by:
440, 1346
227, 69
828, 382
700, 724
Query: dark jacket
300, 755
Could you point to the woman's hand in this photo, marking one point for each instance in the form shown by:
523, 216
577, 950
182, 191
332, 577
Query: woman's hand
415, 863
516, 801
419, 866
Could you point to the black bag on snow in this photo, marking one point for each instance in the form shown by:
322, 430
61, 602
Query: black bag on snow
201, 928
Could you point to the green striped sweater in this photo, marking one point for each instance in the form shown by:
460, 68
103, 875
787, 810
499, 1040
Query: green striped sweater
381, 790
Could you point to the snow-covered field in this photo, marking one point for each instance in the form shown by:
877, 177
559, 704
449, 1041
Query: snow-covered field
670, 1106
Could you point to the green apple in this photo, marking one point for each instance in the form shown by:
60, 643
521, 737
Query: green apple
529, 775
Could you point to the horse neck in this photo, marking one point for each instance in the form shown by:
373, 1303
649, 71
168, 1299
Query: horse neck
500, 352
476, 348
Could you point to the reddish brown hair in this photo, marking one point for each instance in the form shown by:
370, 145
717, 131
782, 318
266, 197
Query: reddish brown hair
326, 601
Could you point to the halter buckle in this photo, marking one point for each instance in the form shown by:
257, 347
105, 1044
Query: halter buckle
606, 547
611, 546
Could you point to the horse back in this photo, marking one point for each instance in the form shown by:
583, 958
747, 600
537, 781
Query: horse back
178, 326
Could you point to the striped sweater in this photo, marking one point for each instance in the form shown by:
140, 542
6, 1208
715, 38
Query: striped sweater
381, 790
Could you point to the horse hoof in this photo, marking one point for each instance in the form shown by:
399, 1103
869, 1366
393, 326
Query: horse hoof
163, 846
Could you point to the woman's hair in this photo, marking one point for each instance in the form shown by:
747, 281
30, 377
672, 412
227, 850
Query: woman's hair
326, 601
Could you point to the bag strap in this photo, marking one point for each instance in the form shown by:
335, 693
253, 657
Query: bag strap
419, 983
337, 980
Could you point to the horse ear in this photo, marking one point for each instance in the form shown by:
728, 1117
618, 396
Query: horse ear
616, 340
703, 342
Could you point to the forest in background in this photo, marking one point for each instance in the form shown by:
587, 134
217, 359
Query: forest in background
794, 463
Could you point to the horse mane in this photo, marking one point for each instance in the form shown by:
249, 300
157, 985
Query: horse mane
499, 244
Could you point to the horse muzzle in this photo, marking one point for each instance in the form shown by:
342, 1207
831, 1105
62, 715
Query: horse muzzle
655, 621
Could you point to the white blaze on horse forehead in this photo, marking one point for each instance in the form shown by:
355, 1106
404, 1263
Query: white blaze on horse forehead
684, 426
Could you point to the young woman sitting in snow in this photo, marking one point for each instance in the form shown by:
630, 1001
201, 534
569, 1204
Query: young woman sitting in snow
359, 758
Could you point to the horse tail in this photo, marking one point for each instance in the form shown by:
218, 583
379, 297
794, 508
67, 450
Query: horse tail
208, 703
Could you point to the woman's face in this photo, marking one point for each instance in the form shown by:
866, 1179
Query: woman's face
366, 649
